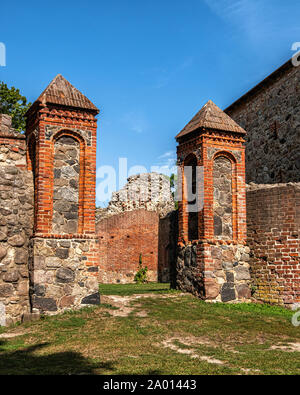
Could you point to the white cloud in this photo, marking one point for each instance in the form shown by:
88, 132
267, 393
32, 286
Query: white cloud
165, 75
253, 18
166, 163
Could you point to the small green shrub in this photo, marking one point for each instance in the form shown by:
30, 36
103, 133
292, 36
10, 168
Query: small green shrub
141, 275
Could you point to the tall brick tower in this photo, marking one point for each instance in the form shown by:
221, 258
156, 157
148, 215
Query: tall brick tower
61, 151
213, 256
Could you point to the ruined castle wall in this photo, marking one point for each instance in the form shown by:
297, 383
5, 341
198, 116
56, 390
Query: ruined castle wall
123, 237
16, 224
273, 221
138, 220
149, 191
271, 117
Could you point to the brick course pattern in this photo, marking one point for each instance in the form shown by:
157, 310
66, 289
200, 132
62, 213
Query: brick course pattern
123, 237
270, 113
273, 216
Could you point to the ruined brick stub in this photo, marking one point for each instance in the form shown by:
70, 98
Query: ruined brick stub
16, 224
61, 135
215, 265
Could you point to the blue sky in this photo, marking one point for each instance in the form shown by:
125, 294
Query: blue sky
148, 65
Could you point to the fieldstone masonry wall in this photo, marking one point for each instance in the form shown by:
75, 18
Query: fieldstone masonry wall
218, 272
222, 175
66, 186
16, 224
59, 278
270, 113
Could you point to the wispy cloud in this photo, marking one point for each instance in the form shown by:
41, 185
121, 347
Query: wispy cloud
253, 18
164, 75
135, 121
166, 163
168, 75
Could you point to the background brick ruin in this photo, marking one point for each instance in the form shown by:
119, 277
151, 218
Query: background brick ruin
138, 220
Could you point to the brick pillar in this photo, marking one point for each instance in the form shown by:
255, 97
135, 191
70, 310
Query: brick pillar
62, 132
215, 266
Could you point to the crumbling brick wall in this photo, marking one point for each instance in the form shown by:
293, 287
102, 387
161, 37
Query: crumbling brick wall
139, 219
270, 113
273, 220
123, 237
16, 223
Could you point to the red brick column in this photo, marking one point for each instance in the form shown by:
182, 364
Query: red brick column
62, 127
217, 263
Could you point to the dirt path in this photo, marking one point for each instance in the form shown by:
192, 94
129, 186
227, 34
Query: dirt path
123, 303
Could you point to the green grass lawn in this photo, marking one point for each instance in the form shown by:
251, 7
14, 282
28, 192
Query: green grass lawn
166, 333
131, 289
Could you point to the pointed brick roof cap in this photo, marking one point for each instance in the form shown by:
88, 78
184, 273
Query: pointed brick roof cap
211, 117
61, 92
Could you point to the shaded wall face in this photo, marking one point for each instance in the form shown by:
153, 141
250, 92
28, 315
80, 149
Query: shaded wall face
273, 220
16, 228
66, 168
123, 238
272, 121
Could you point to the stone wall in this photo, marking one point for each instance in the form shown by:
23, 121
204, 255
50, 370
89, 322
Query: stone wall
66, 186
16, 224
214, 272
59, 276
222, 174
273, 220
270, 114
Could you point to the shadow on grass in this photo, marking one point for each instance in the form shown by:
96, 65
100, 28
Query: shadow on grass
23, 362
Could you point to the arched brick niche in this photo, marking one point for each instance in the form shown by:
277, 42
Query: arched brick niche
191, 196
222, 176
225, 205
